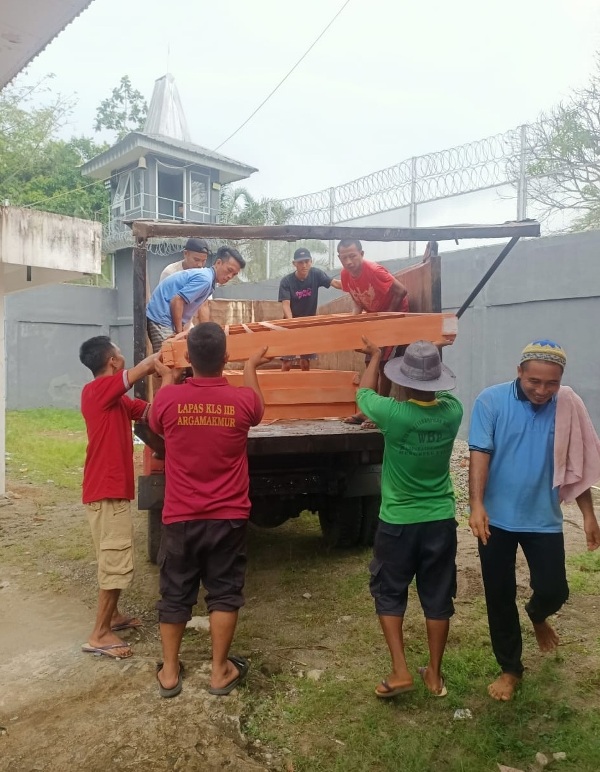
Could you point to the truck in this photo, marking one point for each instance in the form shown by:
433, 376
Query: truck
321, 466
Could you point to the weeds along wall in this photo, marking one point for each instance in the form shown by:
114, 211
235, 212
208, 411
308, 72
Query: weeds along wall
546, 288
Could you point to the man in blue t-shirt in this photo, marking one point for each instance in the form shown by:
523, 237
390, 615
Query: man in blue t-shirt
513, 502
177, 298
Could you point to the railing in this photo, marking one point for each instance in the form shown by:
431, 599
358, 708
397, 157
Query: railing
116, 235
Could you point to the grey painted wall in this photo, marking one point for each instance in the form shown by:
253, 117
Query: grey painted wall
545, 288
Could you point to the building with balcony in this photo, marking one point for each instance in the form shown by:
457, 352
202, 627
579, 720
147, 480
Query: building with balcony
159, 173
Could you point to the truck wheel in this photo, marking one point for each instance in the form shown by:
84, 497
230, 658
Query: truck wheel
341, 521
154, 532
370, 519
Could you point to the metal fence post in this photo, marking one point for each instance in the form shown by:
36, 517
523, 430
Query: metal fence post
268, 242
331, 222
522, 181
412, 210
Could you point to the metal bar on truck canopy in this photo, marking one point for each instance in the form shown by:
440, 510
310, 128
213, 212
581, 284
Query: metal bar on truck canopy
140, 389
147, 229
487, 276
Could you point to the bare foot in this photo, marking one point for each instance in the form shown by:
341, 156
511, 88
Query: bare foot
502, 689
546, 636
434, 683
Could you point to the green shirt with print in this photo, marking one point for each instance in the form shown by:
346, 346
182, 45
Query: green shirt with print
419, 436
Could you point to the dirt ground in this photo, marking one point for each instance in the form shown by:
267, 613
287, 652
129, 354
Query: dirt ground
61, 709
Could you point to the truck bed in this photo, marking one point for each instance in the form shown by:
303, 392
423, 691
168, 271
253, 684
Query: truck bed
318, 436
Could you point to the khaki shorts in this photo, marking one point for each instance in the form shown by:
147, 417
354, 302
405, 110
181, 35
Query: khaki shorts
112, 532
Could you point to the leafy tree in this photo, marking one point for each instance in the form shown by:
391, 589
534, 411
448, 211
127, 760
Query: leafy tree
239, 207
124, 111
41, 171
562, 156
36, 168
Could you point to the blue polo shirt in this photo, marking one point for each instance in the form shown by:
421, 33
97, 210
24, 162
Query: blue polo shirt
519, 437
194, 285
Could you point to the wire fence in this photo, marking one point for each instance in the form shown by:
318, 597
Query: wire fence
486, 163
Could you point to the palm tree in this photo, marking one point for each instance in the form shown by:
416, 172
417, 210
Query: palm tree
264, 258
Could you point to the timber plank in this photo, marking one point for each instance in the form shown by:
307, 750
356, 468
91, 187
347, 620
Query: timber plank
294, 379
341, 332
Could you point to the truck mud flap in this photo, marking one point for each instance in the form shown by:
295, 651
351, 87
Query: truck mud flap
151, 491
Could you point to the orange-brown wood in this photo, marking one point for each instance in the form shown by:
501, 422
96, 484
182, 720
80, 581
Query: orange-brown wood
294, 379
319, 334
312, 394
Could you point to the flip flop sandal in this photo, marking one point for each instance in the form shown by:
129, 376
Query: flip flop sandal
391, 691
128, 624
243, 666
173, 691
107, 651
442, 692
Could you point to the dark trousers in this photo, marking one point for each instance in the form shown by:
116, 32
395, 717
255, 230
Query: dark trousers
545, 555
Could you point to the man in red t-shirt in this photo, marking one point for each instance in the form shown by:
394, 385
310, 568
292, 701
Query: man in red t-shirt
373, 289
205, 424
108, 483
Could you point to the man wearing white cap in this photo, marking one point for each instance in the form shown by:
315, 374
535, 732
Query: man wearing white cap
195, 255
416, 535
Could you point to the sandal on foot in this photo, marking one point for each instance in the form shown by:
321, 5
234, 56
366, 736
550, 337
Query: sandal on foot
131, 623
442, 690
242, 665
108, 651
392, 691
175, 690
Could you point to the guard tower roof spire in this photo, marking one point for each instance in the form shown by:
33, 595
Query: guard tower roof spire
165, 114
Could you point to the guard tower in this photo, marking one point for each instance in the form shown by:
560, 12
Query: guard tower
159, 173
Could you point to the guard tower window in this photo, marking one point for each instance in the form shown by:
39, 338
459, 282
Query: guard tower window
129, 192
199, 192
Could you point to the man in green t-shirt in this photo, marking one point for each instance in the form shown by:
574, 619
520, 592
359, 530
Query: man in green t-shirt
416, 535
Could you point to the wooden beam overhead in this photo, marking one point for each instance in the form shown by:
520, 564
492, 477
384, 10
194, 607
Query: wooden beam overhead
147, 229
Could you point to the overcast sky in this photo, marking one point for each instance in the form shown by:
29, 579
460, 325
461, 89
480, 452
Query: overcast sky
389, 80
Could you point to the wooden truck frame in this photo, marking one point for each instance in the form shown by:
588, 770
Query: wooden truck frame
322, 466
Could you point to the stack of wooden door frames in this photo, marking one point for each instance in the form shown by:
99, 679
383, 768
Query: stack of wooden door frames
323, 334
297, 394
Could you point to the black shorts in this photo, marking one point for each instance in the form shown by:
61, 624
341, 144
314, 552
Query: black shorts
424, 550
211, 552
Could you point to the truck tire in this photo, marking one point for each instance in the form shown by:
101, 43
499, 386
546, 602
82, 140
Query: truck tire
154, 532
370, 519
341, 521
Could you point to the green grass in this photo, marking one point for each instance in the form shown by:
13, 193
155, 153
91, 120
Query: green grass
336, 724
584, 573
46, 445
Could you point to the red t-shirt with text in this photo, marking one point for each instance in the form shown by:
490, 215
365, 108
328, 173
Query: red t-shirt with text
372, 289
108, 413
205, 424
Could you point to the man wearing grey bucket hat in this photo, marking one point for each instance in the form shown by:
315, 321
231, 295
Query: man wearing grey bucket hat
416, 535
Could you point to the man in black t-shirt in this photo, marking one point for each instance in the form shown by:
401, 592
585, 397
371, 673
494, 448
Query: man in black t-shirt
298, 293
